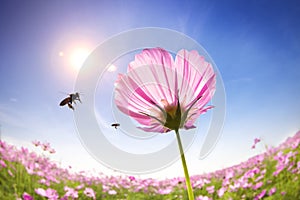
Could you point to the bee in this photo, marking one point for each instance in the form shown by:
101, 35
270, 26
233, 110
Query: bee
71, 99
115, 125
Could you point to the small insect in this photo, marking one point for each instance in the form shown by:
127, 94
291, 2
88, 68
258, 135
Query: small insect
71, 99
115, 125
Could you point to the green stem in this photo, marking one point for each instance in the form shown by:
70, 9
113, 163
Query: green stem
186, 173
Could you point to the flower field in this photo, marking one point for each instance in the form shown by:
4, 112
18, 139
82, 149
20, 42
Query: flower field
274, 174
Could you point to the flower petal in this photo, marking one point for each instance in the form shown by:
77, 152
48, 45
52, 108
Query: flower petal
193, 116
155, 56
160, 65
155, 128
197, 84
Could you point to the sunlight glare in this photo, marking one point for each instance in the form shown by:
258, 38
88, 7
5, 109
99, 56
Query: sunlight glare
78, 57
112, 68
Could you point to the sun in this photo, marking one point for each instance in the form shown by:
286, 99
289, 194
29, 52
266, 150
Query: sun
78, 56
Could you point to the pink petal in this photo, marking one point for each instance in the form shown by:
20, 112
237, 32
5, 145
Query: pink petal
154, 56
40, 191
155, 128
198, 77
192, 119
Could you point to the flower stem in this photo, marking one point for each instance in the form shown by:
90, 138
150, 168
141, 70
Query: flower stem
186, 173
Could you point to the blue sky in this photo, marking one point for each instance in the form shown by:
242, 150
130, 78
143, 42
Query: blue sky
255, 44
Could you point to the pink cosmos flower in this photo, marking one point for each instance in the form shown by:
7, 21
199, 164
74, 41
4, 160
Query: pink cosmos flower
272, 191
10, 173
163, 94
71, 192
256, 140
46, 146
203, 198
257, 185
167, 190
44, 181
52, 151
229, 174
49, 193
279, 168
210, 189
259, 178
221, 191
3, 164
27, 196
261, 195
79, 187
40, 191
112, 192
89, 192
131, 178
36, 143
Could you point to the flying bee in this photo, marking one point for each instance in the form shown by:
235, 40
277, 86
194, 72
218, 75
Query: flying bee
115, 125
71, 99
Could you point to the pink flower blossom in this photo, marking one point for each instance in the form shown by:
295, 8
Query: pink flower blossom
162, 94
10, 173
79, 187
221, 191
259, 178
229, 174
44, 181
26, 196
89, 192
40, 191
51, 150
46, 146
36, 143
272, 191
71, 192
131, 178
257, 185
203, 198
279, 168
2, 163
164, 190
210, 189
51, 194
112, 192
261, 195
256, 140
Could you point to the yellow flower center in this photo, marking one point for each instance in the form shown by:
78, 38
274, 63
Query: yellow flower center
170, 109
173, 115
